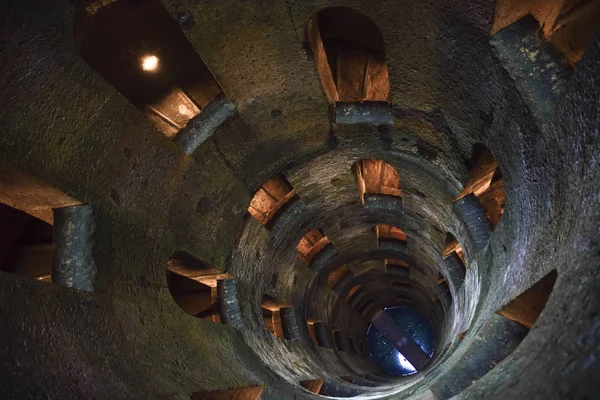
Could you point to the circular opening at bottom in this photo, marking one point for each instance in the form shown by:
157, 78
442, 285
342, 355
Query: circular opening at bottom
383, 352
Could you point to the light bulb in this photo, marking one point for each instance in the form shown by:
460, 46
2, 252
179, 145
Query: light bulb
150, 63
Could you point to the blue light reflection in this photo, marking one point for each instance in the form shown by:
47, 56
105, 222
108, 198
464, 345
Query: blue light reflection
383, 352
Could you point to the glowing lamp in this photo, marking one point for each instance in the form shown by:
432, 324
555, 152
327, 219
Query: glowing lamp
150, 63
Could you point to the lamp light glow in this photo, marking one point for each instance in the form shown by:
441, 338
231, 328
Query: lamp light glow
150, 63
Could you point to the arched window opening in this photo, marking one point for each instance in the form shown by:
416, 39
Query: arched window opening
393, 263
440, 279
391, 238
332, 388
246, 393
359, 346
311, 244
442, 286
485, 182
271, 311
397, 267
313, 385
349, 56
334, 334
352, 345
352, 292
367, 308
141, 51
26, 209
336, 274
453, 246
338, 340
436, 308
310, 323
401, 285
400, 298
504, 332
570, 26
27, 246
322, 334
376, 177
454, 260
527, 307
193, 285
389, 232
341, 340
270, 199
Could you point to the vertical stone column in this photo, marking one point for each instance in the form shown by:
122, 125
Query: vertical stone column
229, 304
291, 330
73, 265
